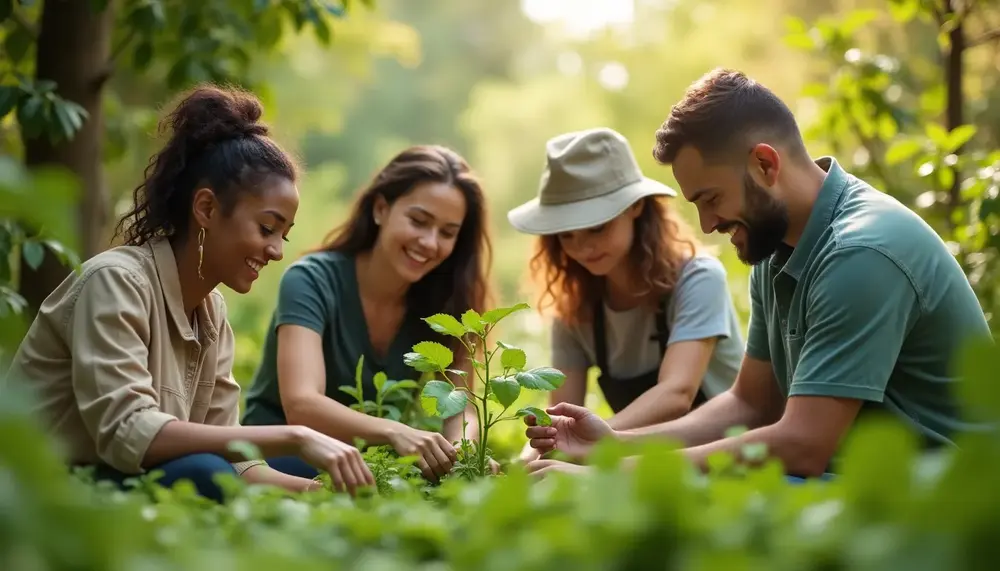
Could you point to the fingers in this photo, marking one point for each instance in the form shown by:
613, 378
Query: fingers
426, 470
568, 409
361, 472
540, 464
336, 478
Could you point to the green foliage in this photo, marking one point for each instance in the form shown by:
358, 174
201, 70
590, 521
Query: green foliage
390, 395
891, 507
891, 109
445, 399
20, 194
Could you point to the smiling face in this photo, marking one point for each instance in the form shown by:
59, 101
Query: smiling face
602, 248
731, 201
417, 232
239, 244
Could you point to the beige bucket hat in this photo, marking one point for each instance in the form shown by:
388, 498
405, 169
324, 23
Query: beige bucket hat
590, 177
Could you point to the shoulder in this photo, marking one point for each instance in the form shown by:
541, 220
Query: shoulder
848, 272
119, 268
318, 269
871, 218
702, 266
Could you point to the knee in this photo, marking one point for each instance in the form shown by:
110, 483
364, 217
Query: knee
200, 469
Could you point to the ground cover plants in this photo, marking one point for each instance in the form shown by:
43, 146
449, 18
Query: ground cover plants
892, 507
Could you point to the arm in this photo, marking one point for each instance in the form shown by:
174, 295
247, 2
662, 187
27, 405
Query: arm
675, 390
116, 397
853, 336
224, 410
753, 401
302, 386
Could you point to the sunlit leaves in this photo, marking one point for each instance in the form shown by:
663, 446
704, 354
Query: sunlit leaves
443, 399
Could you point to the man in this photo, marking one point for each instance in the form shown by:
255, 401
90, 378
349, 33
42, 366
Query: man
856, 304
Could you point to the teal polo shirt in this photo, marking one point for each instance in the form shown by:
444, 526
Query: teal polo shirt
869, 305
320, 292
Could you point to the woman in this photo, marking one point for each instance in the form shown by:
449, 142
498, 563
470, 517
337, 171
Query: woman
131, 356
416, 244
630, 292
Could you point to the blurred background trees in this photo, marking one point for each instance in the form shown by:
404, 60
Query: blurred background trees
903, 92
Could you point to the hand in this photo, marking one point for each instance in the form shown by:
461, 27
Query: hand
574, 430
494, 467
436, 454
343, 462
528, 454
543, 467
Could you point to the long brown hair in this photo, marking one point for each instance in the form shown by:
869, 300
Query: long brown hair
460, 282
663, 243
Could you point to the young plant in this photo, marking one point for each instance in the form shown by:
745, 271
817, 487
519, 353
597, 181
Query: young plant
501, 382
388, 393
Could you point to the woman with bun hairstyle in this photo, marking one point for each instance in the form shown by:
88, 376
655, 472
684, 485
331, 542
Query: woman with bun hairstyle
629, 290
130, 358
415, 244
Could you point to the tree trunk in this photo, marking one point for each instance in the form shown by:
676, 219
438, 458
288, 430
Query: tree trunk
73, 50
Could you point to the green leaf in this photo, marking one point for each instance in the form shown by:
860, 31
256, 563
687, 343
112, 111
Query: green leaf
513, 358
393, 386
446, 324
542, 418
493, 316
959, 136
17, 44
353, 391
441, 398
473, 321
6, 9
904, 10
143, 55
934, 99
541, 379
902, 150
379, 381
9, 95
937, 135
33, 253
458, 372
506, 390
429, 357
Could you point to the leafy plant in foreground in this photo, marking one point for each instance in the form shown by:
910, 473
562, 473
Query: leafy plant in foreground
388, 394
443, 398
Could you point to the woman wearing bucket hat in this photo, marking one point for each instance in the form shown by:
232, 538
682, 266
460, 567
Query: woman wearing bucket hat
629, 290
415, 244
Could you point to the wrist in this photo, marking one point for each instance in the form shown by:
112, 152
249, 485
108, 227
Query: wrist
293, 438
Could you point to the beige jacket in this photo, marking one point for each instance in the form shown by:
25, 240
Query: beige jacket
112, 358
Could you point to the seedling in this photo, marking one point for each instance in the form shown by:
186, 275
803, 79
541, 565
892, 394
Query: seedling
387, 394
444, 399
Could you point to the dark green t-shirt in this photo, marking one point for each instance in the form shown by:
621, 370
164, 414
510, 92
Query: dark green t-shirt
320, 291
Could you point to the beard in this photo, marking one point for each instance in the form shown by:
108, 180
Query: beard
764, 220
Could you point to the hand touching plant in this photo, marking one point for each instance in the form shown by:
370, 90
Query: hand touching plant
501, 381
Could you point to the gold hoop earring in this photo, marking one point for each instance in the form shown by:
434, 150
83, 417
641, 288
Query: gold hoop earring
201, 250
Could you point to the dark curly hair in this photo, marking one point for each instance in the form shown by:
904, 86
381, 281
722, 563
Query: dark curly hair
217, 142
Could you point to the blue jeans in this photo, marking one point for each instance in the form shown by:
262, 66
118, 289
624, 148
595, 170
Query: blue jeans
800, 480
201, 469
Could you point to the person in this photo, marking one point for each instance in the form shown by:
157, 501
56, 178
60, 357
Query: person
857, 306
631, 292
130, 358
415, 244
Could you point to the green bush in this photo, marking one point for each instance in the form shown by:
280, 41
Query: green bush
892, 507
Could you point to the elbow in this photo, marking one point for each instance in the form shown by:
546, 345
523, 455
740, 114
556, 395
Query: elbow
803, 456
298, 409
677, 403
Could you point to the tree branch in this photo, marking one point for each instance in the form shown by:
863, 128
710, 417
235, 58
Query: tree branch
984, 38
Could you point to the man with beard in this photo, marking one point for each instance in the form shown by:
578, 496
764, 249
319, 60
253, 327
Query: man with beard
856, 304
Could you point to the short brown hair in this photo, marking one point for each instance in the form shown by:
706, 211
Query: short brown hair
724, 113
